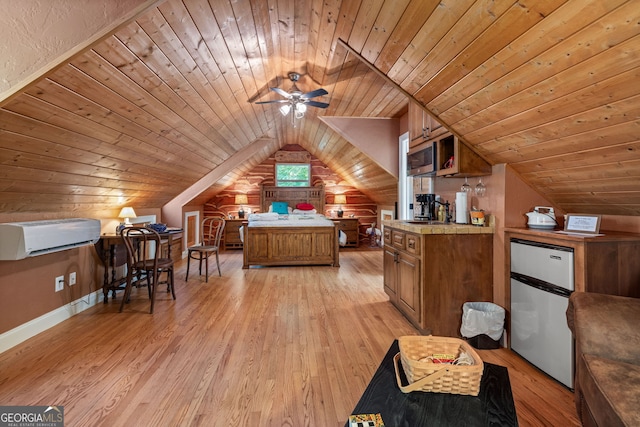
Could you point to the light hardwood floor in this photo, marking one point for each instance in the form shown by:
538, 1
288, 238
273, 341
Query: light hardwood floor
290, 346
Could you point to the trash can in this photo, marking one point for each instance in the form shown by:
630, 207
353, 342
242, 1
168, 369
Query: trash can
482, 324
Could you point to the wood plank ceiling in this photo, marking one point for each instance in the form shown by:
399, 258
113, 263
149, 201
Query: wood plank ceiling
548, 86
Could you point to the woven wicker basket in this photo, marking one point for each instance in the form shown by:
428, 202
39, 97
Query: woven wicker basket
435, 377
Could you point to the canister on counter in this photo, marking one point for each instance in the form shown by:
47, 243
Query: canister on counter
477, 217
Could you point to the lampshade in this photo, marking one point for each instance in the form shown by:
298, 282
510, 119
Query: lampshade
284, 110
241, 199
126, 213
340, 199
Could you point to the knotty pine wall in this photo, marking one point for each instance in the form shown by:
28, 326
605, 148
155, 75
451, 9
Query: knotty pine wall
358, 204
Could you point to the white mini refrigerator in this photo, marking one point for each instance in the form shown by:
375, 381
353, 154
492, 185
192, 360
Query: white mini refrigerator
542, 278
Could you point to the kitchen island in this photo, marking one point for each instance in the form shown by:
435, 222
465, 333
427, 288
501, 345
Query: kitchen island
432, 269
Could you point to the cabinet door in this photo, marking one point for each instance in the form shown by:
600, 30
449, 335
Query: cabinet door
390, 274
408, 268
416, 124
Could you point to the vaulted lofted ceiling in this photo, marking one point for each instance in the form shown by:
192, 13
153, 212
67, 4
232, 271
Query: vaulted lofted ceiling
548, 86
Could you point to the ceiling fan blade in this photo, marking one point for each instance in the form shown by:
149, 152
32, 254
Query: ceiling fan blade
314, 93
276, 101
316, 104
280, 92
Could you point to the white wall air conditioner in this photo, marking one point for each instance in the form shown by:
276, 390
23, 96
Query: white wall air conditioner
19, 240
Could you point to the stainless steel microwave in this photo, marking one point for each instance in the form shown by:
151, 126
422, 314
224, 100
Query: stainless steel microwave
421, 159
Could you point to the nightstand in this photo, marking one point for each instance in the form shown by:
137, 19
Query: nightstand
350, 227
232, 234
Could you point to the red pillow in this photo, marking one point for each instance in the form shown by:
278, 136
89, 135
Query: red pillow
304, 206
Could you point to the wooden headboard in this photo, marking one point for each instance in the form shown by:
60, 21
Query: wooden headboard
293, 196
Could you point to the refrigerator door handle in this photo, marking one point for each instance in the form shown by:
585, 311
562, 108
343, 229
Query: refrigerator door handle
541, 284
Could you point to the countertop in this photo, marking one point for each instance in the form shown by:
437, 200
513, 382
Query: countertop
426, 228
603, 236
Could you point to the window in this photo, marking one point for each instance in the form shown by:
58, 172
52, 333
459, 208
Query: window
293, 175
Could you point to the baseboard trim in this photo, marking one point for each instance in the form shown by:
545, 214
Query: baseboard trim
32, 328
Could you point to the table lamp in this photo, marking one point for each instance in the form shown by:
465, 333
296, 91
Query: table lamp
340, 199
241, 199
126, 213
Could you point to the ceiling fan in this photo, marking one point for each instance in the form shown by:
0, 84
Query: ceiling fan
295, 100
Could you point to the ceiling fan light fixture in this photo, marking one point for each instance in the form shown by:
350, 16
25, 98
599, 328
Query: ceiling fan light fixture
284, 109
296, 100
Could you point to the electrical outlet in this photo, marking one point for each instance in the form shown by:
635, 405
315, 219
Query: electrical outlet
59, 283
72, 278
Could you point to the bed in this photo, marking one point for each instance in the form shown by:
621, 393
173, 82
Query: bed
295, 238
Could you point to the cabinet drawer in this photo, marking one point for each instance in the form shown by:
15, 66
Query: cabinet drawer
387, 236
398, 239
348, 225
412, 244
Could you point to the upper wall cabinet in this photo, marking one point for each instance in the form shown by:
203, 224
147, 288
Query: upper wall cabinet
422, 126
456, 159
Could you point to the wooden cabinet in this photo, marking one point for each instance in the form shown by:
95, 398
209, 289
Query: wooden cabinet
232, 234
402, 274
422, 126
604, 264
350, 227
428, 277
455, 158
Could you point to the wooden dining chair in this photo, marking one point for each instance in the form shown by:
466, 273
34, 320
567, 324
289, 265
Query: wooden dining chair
145, 263
210, 234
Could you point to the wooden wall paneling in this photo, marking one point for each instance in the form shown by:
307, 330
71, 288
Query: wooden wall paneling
97, 120
220, 67
162, 137
256, 45
612, 154
575, 124
284, 35
40, 160
414, 16
363, 24
301, 38
354, 81
196, 25
617, 134
386, 21
438, 23
136, 40
365, 106
261, 21
584, 45
575, 15
324, 29
179, 43
512, 24
616, 88
395, 101
474, 21
624, 170
160, 100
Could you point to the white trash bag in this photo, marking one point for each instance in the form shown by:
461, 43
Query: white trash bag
482, 318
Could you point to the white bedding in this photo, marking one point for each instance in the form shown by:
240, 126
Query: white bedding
304, 220
313, 220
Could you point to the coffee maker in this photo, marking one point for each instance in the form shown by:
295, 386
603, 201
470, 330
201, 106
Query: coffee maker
426, 207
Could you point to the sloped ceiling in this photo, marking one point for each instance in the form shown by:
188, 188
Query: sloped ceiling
548, 86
